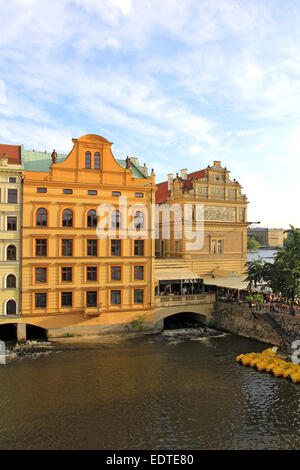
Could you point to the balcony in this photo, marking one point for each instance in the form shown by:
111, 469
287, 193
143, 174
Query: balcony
171, 300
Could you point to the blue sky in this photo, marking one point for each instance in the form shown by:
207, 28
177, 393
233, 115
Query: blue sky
176, 84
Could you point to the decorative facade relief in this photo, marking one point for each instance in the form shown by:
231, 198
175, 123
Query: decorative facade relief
231, 193
217, 193
224, 214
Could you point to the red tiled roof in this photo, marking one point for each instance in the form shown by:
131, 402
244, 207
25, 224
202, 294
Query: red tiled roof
13, 153
162, 188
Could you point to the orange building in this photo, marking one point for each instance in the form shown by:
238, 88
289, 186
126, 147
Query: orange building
73, 281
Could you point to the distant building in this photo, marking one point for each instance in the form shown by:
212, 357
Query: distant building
268, 237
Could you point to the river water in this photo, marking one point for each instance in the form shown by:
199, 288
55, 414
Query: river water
180, 389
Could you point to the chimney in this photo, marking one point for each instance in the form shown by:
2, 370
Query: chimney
183, 174
170, 180
4, 160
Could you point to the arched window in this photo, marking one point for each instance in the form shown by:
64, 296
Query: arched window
88, 159
97, 160
11, 281
41, 217
92, 218
116, 219
139, 220
11, 253
67, 218
11, 307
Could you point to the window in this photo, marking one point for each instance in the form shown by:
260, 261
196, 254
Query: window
88, 159
66, 274
68, 191
41, 300
40, 274
11, 253
67, 218
66, 299
176, 246
41, 190
138, 296
116, 193
91, 273
138, 273
41, 247
41, 217
92, 219
139, 220
11, 307
115, 273
12, 180
214, 246
220, 246
97, 160
138, 247
92, 192
115, 247
91, 298
139, 194
12, 196
11, 281
92, 247
66, 247
116, 219
115, 297
12, 223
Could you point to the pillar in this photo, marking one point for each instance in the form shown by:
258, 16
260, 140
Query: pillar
21, 332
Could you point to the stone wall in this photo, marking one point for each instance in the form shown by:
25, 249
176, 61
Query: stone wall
238, 319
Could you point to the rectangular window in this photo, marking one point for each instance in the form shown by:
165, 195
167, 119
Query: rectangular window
115, 297
91, 299
138, 247
67, 247
115, 247
139, 194
12, 180
68, 191
138, 296
91, 273
116, 193
92, 247
12, 223
41, 190
40, 274
138, 273
40, 247
220, 246
115, 273
66, 274
66, 299
12, 196
41, 300
92, 192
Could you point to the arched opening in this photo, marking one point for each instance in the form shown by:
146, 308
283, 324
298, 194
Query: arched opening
11, 281
41, 217
8, 332
116, 219
36, 332
183, 320
11, 307
92, 218
67, 218
11, 253
97, 160
88, 160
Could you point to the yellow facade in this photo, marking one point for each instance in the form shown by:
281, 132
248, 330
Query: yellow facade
10, 230
94, 284
224, 249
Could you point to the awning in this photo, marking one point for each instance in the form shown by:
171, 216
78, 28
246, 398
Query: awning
174, 274
232, 282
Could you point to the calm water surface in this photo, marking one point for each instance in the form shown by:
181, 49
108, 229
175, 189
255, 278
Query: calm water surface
175, 390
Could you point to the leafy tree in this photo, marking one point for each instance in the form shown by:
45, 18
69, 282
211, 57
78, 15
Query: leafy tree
252, 244
255, 271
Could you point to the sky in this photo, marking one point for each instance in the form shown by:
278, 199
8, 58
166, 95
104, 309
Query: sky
176, 84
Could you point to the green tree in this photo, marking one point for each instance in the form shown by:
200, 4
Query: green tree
255, 272
252, 244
